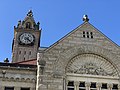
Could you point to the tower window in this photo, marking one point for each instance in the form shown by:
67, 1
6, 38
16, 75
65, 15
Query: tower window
24, 58
30, 53
28, 25
19, 52
24, 52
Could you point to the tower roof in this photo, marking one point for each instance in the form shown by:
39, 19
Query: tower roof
28, 22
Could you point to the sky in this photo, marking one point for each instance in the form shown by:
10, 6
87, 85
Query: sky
57, 18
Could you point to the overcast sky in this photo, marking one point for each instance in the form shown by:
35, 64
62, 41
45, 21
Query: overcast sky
57, 18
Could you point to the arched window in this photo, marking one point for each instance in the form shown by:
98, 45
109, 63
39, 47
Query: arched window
28, 25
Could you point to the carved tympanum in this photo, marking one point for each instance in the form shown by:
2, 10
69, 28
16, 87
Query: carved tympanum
92, 65
90, 68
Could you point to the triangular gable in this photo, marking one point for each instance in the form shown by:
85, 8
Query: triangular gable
86, 33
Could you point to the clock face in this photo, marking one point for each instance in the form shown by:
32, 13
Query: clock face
26, 39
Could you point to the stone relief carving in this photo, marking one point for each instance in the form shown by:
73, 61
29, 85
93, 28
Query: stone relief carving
91, 64
92, 69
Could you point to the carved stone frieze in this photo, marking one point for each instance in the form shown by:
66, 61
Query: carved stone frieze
90, 68
91, 64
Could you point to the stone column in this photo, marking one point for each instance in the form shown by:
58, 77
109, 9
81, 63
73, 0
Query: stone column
38, 84
66, 84
87, 85
17, 88
98, 85
32, 88
2, 88
110, 86
76, 85
118, 86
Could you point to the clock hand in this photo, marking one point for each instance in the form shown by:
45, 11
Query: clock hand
28, 39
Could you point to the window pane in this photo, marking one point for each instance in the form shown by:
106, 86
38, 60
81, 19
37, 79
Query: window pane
81, 89
70, 83
82, 84
70, 88
115, 86
104, 86
93, 85
25, 88
9, 88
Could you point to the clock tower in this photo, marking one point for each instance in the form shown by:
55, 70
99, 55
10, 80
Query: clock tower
26, 39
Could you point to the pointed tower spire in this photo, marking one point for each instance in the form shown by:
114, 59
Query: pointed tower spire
85, 18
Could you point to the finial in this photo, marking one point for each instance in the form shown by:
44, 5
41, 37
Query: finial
30, 13
38, 25
85, 18
6, 60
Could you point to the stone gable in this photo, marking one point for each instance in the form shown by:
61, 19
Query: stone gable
85, 39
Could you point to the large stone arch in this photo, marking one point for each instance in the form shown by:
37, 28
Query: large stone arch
65, 57
91, 64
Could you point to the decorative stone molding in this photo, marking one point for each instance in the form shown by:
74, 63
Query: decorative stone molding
19, 79
90, 68
66, 56
91, 64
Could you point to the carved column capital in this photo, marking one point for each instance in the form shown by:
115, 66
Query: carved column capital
67, 82
98, 85
110, 85
76, 83
118, 86
87, 84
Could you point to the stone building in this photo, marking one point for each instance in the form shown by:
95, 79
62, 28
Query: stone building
84, 59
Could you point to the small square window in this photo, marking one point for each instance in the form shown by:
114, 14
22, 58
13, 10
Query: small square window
87, 36
70, 88
24, 52
87, 33
84, 36
25, 88
91, 33
83, 32
30, 53
91, 36
115, 86
9, 88
82, 84
19, 52
93, 85
104, 86
70, 83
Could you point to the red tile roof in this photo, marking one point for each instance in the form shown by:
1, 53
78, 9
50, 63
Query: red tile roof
30, 62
